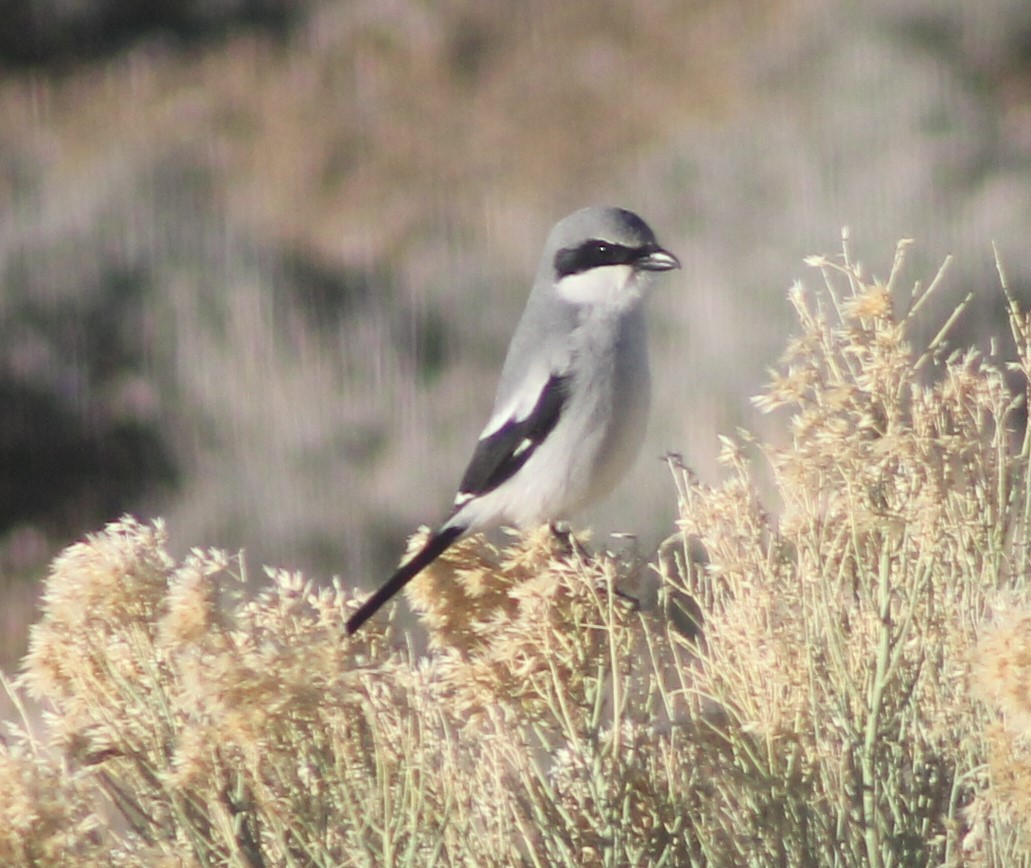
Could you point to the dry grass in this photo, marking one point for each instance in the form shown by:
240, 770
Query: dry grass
860, 692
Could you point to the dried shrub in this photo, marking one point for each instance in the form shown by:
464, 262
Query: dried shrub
844, 679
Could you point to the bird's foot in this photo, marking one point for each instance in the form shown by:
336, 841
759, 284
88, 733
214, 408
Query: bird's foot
564, 535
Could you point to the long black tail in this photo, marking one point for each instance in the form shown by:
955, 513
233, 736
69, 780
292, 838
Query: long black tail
405, 573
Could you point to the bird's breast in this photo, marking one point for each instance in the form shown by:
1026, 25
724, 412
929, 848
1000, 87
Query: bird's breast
610, 404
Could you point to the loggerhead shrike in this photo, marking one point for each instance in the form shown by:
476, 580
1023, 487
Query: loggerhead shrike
571, 408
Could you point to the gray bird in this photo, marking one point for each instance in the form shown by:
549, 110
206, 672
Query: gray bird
571, 409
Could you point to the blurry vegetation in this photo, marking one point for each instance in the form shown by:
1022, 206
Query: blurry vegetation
259, 260
57, 34
857, 693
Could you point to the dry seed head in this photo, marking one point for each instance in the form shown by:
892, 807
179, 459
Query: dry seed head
97, 590
1009, 763
192, 606
873, 302
462, 588
524, 654
1002, 671
43, 818
119, 572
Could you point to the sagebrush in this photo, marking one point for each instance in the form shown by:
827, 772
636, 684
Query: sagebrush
837, 670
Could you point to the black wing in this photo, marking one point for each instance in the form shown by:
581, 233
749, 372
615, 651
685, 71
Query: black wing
500, 455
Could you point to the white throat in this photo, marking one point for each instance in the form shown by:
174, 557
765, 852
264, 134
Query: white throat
606, 284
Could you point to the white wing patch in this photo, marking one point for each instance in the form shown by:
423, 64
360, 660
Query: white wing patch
518, 407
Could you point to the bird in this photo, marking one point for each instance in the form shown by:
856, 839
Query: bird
572, 402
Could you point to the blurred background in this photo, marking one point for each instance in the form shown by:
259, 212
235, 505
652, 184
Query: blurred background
260, 259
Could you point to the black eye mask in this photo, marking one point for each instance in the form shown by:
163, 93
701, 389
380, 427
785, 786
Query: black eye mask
594, 253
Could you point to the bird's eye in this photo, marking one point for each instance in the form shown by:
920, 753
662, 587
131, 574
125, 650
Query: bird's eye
590, 254
597, 253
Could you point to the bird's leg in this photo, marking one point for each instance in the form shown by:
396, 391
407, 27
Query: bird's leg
563, 532
629, 599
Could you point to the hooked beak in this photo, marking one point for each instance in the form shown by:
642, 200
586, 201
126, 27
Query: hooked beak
657, 259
